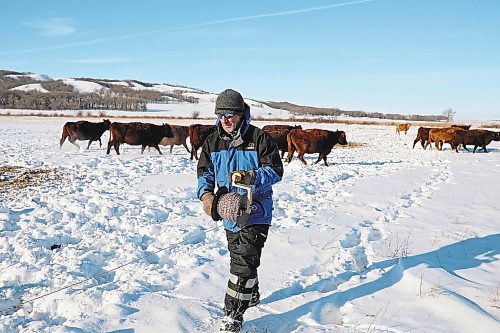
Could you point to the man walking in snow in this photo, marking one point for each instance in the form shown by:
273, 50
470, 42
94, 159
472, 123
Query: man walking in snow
238, 147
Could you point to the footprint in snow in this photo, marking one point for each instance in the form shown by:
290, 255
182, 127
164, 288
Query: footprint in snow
352, 239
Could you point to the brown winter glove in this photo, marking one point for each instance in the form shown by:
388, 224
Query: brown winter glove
207, 199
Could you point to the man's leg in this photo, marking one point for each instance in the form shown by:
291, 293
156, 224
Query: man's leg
245, 248
255, 299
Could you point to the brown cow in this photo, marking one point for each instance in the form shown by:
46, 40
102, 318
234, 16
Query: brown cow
313, 141
280, 137
476, 137
143, 134
440, 135
402, 127
279, 134
422, 136
84, 130
197, 135
181, 134
465, 127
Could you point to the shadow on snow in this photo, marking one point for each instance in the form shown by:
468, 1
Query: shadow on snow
470, 253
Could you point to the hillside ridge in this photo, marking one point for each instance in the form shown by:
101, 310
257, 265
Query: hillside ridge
25, 90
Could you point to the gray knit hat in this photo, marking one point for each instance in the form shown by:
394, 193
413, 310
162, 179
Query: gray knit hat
229, 101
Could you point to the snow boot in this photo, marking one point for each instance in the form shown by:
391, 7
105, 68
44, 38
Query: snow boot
255, 298
230, 325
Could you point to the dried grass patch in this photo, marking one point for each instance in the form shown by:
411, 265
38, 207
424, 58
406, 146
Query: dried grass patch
15, 177
352, 144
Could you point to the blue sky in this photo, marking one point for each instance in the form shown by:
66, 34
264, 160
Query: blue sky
393, 56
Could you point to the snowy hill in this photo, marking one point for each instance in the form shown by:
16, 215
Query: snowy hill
183, 101
133, 95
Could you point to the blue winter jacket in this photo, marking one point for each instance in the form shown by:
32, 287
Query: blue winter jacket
257, 152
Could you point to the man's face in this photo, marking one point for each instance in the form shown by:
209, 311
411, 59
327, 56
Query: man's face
229, 123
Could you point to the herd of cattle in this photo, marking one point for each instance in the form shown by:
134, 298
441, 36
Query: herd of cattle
288, 138
456, 135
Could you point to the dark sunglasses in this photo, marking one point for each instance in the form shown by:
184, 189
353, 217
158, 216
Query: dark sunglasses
228, 115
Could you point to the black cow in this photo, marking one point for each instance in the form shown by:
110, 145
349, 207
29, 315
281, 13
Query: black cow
476, 137
465, 127
135, 134
281, 127
84, 130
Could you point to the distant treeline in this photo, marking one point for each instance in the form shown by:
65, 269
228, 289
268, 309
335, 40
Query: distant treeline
299, 110
133, 95
113, 95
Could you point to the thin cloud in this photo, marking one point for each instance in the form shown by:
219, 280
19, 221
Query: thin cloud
147, 33
53, 27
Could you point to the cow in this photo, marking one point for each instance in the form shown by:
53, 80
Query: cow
440, 135
476, 137
180, 135
280, 127
465, 127
143, 134
402, 127
84, 130
197, 135
313, 141
279, 134
280, 137
422, 136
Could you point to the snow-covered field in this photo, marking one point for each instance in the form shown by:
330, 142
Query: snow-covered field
385, 239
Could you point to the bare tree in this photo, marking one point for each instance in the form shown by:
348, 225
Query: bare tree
449, 114
195, 114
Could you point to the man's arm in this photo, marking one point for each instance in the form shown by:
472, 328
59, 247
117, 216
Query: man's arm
271, 169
